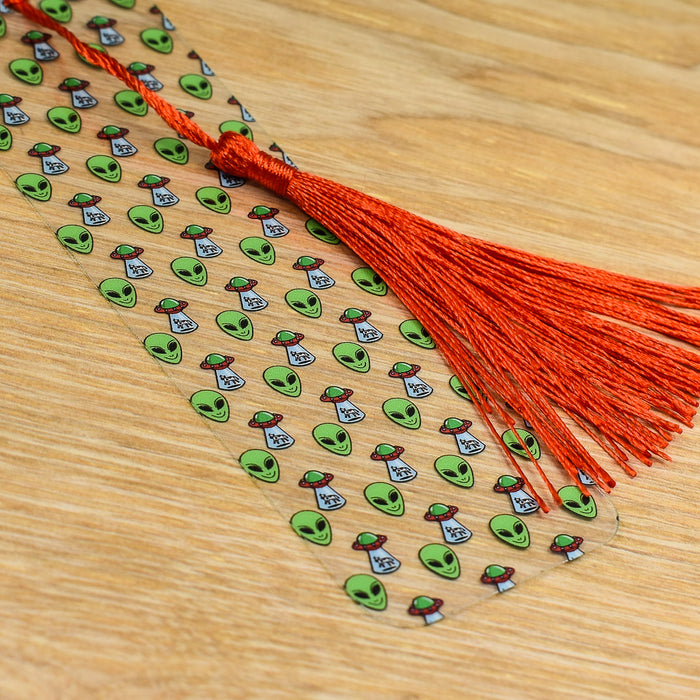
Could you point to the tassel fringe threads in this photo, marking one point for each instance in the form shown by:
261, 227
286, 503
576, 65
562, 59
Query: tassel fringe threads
543, 336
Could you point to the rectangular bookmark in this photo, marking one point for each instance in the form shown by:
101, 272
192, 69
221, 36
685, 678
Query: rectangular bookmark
320, 384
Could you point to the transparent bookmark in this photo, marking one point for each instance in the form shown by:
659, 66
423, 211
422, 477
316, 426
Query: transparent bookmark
321, 386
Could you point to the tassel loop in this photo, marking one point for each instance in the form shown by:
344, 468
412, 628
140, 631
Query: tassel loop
239, 156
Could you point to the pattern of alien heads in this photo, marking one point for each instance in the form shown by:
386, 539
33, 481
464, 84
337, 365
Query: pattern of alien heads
303, 364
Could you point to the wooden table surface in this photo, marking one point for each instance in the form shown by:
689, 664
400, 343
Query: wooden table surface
565, 127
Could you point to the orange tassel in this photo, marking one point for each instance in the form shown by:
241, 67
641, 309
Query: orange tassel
540, 334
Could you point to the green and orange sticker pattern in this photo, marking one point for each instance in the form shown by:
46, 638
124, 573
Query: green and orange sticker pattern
293, 350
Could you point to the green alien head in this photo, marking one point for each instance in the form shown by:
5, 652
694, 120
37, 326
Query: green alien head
34, 186
5, 139
27, 70
126, 4
511, 530
414, 332
283, 379
511, 442
146, 217
210, 404
367, 591
312, 526
238, 127
576, 502
459, 388
130, 101
3, 26
76, 238
236, 324
196, 85
385, 497
258, 249
214, 198
403, 412
118, 291
366, 278
304, 301
321, 232
104, 167
455, 470
261, 465
334, 438
65, 119
190, 270
440, 559
158, 40
164, 347
172, 149
352, 356
59, 10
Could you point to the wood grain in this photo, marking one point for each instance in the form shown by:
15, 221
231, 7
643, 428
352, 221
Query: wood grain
569, 129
